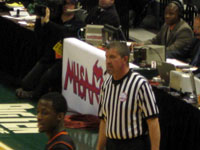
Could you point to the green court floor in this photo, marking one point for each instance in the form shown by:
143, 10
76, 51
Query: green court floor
18, 125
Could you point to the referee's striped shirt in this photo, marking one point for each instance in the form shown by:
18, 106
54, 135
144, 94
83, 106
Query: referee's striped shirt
125, 104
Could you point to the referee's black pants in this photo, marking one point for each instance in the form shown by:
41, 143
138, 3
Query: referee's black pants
139, 143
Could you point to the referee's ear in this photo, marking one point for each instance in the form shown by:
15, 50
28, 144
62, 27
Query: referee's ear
126, 59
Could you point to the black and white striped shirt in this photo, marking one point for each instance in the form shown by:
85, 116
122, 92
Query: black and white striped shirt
125, 104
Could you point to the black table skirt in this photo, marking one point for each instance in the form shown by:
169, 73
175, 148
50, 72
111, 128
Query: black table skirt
179, 122
18, 52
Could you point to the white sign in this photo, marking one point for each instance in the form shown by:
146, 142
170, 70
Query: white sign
82, 76
83, 69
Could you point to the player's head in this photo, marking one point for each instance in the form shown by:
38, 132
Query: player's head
51, 110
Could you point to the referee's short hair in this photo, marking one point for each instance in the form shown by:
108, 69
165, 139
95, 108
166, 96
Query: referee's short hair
59, 103
120, 47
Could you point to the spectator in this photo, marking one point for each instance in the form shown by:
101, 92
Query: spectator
46, 74
190, 53
175, 34
104, 13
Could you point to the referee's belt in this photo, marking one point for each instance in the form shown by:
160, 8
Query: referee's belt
133, 139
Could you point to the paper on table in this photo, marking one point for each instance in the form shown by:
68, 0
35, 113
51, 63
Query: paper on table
23, 22
183, 66
27, 18
21, 13
19, 8
176, 62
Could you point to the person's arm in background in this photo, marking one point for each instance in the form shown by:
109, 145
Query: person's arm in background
183, 38
154, 40
44, 26
102, 136
60, 30
154, 133
157, 39
184, 54
47, 34
40, 22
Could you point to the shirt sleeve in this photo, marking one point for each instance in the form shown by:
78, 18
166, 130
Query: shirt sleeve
147, 101
154, 40
61, 147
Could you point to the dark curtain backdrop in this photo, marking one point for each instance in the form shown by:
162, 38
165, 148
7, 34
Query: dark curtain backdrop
179, 122
18, 50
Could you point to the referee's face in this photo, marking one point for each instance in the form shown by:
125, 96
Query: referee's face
115, 63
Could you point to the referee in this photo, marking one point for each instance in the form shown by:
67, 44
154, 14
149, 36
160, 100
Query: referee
128, 110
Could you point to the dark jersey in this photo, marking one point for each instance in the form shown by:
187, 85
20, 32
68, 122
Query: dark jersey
60, 141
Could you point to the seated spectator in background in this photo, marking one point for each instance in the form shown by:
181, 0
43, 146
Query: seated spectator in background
191, 52
46, 74
175, 34
104, 13
51, 110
